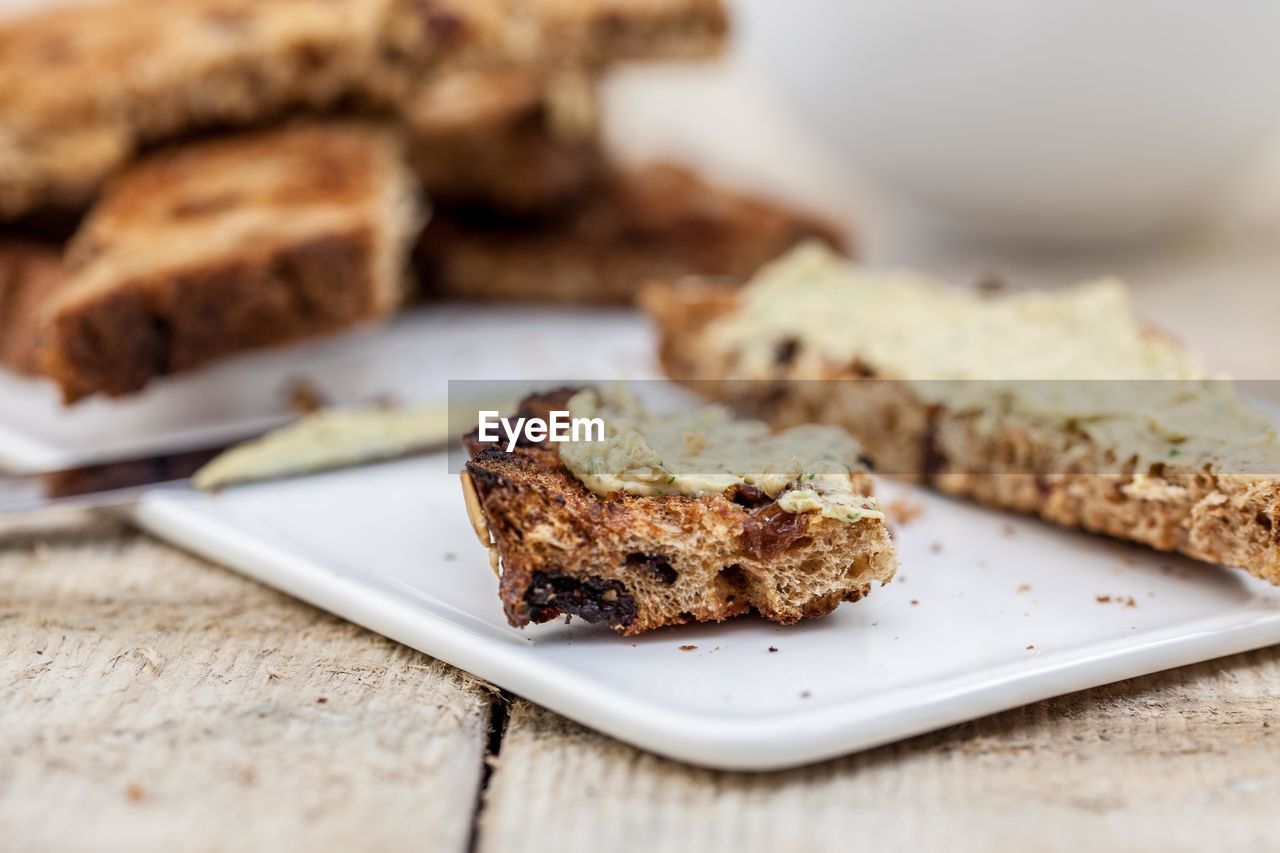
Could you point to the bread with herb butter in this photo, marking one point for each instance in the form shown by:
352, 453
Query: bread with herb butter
228, 245
1054, 403
636, 554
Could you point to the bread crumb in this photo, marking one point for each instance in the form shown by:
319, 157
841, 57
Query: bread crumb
914, 602
322, 700
134, 792
1031, 648
1007, 529
1103, 599
1024, 588
687, 648
903, 511
303, 397
1129, 602
990, 283
936, 548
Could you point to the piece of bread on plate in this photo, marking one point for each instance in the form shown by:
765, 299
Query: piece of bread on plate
591, 530
1055, 403
636, 224
84, 88
30, 274
229, 245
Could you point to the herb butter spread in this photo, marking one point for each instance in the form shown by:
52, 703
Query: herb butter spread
327, 439
914, 327
708, 452
1131, 389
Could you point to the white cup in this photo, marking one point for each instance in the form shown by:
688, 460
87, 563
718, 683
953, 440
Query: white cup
1043, 120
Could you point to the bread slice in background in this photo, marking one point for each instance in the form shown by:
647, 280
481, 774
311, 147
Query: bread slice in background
228, 245
515, 142
83, 89
659, 221
30, 275
1225, 512
639, 563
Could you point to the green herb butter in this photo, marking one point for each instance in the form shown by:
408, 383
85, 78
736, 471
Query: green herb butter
707, 452
1071, 360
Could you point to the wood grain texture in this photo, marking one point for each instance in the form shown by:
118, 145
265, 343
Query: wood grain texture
150, 701
1185, 760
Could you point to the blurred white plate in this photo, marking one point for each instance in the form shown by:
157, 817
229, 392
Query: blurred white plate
410, 360
989, 612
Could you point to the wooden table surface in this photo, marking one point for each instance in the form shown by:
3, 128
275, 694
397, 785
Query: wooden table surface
152, 701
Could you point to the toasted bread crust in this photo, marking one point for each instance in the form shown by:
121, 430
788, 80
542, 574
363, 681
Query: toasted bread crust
639, 563
648, 223
1221, 518
516, 142
233, 244
117, 77
30, 275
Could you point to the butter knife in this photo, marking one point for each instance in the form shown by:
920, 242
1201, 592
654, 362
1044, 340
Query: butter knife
323, 441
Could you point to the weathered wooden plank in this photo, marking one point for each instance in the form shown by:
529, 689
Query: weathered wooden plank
1185, 760
151, 701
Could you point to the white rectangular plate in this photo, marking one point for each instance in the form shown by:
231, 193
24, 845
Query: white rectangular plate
988, 612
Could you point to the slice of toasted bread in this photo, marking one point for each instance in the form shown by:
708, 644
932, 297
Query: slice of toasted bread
1000, 454
229, 245
30, 275
495, 34
649, 223
82, 89
517, 142
639, 563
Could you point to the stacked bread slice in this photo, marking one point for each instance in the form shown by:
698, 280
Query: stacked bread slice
230, 244
84, 89
248, 174
30, 274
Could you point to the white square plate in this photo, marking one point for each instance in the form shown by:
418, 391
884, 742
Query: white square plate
989, 612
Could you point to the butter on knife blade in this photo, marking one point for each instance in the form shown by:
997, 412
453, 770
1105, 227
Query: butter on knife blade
331, 438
